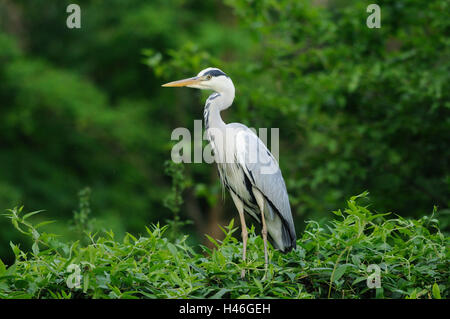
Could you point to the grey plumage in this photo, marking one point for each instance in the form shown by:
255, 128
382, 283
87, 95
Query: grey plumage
241, 175
246, 167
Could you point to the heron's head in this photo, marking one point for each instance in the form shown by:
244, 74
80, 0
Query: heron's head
207, 79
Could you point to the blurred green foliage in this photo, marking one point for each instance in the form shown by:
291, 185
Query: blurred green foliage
357, 108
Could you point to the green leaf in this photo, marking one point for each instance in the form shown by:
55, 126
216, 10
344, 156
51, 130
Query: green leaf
47, 222
436, 291
337, 212
15, 249
85, 283
21, 284
220, 293
31, 214
259, 285
213, 241
358, 279
2, 267
173, 250
379, 293
340, 271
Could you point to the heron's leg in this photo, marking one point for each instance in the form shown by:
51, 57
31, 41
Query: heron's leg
240, 208
264, 236
244, 239
260, 200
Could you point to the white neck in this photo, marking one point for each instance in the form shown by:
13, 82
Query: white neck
216, 103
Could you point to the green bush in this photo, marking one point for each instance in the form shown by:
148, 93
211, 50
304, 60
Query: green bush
357, 108
331, 261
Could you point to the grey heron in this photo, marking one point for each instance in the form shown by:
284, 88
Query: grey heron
246, 167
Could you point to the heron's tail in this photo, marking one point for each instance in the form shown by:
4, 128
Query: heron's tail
280, 234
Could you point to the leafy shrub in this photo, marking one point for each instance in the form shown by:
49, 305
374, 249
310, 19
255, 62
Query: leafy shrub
331, 261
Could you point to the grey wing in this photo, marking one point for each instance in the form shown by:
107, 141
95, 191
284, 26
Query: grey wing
263, 171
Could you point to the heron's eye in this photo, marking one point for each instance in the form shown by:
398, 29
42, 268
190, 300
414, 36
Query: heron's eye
209, 77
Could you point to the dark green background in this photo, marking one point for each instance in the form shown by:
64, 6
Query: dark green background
358, 108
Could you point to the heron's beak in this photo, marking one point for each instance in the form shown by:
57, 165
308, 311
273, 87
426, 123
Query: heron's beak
184, 82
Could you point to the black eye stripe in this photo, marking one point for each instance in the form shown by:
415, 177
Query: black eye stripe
215, 73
